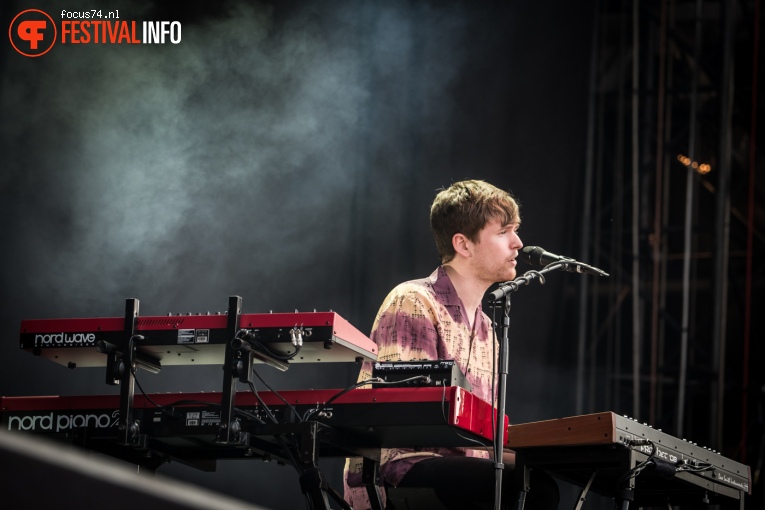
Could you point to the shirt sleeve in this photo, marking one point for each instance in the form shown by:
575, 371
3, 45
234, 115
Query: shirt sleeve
405, 328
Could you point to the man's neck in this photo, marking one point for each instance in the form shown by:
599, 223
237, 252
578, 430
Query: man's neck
470, 289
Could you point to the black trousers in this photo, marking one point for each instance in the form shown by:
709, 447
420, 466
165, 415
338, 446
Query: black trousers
463, 483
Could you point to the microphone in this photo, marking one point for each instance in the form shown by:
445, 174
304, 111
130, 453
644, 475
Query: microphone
537, 256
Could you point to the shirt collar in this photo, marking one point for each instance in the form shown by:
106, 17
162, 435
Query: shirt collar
444, 288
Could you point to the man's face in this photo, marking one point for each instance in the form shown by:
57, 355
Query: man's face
495, 252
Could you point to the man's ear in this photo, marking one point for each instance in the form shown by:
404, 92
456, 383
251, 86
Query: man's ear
461, 244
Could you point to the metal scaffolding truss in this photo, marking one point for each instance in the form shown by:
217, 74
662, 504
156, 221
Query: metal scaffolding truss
670, 206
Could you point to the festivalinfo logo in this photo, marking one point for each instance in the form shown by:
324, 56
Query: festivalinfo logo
33, 32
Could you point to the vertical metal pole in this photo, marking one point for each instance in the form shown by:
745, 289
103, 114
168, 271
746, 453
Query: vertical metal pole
587, 213
617, 239
128, 430
666, 197
750, 237
228, 431
595, 386
722, 229
499, 430
635, 210
688, 228
657, 217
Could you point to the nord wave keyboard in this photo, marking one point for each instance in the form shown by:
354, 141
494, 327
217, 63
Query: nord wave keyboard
197, 339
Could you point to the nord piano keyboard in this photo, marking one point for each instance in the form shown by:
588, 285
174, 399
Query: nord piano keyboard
601, 448
197, 339
185, 427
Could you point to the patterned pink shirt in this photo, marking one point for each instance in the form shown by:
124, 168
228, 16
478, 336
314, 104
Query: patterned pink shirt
425, 319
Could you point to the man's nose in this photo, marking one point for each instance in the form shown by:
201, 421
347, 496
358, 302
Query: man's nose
516, 240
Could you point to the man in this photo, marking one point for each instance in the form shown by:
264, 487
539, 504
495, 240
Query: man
475, 226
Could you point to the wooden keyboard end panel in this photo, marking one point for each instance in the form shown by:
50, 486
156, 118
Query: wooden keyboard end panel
598, 428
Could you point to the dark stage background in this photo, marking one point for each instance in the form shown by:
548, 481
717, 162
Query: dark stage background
286, 152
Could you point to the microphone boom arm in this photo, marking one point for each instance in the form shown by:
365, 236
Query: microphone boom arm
580, 267
529, 276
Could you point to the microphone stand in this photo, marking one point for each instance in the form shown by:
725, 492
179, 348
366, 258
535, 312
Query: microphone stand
503, 294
